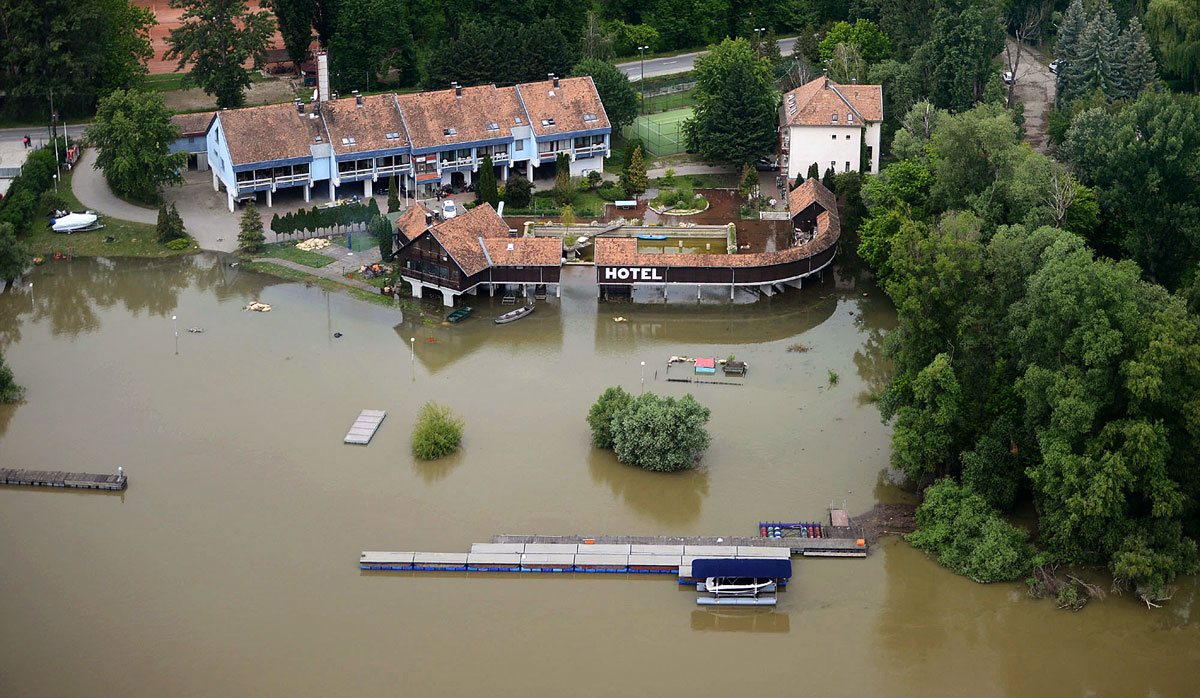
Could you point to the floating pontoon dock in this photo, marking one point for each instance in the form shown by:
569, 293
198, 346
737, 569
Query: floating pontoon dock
58, 478
365, 426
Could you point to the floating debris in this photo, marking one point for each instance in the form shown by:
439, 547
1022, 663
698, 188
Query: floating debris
799, 347
196, 330
337, 335
258, 307
620, 319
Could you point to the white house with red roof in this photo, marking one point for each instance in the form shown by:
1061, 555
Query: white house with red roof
832, 125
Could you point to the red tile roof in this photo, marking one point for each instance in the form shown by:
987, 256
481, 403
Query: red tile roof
271, 132
814, 103
369, 125
192, 124
429, 114
812, 190
524, 252
565, 106
413, 222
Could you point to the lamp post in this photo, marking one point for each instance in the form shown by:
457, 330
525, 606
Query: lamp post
412, 342
643, 376
32, 305
642, 81
175, 323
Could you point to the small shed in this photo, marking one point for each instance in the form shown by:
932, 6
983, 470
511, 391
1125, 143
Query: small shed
708, 366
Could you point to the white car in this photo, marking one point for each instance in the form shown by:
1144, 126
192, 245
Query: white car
1055, 65
449, 210
1007, 77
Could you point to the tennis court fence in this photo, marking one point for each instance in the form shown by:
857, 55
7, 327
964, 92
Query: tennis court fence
661, 138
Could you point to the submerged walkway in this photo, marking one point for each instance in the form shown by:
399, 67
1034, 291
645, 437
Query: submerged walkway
58, 478
335, 271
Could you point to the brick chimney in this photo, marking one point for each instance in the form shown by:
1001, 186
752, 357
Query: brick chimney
322, 76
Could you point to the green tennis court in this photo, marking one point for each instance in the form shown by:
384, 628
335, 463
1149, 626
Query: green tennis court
662, 133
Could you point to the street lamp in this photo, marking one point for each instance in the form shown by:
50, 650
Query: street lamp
176, 326
642, 82
643, 376
412, 342
31, 300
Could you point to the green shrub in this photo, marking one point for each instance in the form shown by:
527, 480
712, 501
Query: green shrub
969, 536
49, 202
179, 244
438, 432
611, 193
600, 417
668, 178
9, 390
661, 433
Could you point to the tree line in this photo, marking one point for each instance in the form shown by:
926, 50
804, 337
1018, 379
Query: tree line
1027, 366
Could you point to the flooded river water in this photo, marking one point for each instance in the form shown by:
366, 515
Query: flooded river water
229, 566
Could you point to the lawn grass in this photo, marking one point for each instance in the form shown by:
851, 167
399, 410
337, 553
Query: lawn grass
361, 241
162, 83
720, 180
130, 239
289, 251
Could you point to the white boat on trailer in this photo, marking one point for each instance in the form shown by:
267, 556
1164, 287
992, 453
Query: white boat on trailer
76, 222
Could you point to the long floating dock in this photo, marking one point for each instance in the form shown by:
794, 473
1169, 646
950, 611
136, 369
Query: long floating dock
58, 478
841, 543
567, 557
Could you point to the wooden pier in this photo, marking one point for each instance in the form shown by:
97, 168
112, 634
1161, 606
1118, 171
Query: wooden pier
840, 544
58, 478
365, 427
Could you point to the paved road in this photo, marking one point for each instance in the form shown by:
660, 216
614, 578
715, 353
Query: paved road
681, 63
92, 191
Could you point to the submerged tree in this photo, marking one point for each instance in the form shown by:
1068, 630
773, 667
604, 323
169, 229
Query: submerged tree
251, 232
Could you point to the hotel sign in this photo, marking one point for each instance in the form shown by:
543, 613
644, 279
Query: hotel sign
633, 274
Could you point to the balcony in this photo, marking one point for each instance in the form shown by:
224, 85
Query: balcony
285, 180
497, 158
548, 155
591, 150
248, 185
457, 164
394, 169
355, 175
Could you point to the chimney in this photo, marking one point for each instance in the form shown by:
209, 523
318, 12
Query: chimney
826, 74
554, 78
299, 107
500, 211
322, 76
357, 99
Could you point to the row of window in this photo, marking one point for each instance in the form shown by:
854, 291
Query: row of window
849, 118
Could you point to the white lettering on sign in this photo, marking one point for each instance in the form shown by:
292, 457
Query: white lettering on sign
633, 273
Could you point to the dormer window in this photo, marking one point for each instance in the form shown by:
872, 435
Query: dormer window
517, 120
493, 126
835, 118
589, 117
347, 141
547, 122
393, 136
849, 118
449, 132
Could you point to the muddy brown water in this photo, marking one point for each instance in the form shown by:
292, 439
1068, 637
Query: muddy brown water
229, 566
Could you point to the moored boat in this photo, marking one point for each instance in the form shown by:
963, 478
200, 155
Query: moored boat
75, 222
515, 314
460, 314
652, 237
738, 586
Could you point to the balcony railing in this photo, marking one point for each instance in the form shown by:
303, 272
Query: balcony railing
253, 184
351, 174
548, 155
291, 179
590, 150
393, 169
497, 158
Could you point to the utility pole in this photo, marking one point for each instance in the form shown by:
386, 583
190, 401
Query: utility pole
54, 137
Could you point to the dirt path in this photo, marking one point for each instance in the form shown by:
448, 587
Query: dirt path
271, 91
1034, 86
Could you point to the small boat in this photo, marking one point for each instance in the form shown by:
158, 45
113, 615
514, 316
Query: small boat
75, 222
460, 314
652, 237
738, 586
515, 314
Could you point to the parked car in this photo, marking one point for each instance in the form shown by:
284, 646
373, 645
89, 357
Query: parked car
1007, 77
449, 210
766, 164
1055, 65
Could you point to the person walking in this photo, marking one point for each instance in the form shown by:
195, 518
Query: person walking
26, 141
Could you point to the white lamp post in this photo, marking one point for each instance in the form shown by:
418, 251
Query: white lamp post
643, 376
175, 324
412, 342
642, 82
31, 301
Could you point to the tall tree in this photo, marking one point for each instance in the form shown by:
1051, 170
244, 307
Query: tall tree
1144, 162
295, 20
76, 50
218, 37
734, 121
1095, 66
393, 200
958, 56
370, 37
1174, 28
634, 179
1139, 69
134, 133
1069, 32
596, 42
9, 390
14, 255
250, 231
486, 190
615, 90
846, 66
872, 45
